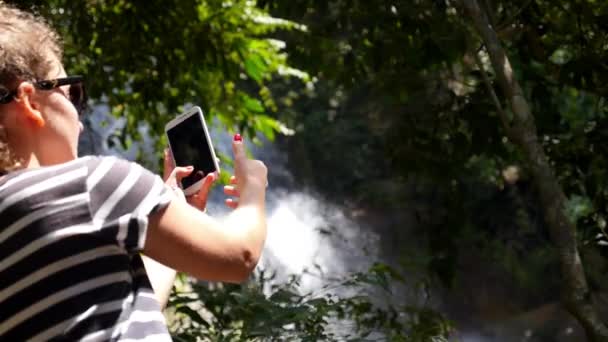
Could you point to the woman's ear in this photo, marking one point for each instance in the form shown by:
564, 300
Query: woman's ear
28, 104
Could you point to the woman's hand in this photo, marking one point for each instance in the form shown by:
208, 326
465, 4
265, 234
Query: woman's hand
232, 190
248, 174
215, 250
173, 176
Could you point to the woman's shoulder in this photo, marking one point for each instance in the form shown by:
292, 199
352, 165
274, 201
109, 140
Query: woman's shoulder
103, 164
44, 171
110, 159
92, 167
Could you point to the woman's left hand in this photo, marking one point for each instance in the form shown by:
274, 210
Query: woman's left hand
173, 176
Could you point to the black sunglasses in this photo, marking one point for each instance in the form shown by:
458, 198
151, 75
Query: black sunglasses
78, 95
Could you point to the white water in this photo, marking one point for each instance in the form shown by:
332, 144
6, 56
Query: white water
306, 235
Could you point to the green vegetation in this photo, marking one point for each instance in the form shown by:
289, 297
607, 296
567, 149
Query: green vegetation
405, 105
268, 309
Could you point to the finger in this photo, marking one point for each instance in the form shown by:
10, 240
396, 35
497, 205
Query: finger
207, 183
211, 178
181, 172
232, 203
233, 180
238, 148
196, 201
231, 191
168, 166
199, 199
170, 157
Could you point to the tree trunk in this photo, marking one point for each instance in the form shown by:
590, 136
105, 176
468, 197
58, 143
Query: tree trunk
575, 295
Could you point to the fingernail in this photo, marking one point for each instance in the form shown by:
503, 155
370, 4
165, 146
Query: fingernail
190, 167
237, 137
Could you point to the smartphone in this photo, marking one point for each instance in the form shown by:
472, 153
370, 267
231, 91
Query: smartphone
190, 144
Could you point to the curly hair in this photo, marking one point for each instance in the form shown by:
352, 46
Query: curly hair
27, 45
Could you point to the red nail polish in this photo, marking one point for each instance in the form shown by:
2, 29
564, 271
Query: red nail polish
237, 137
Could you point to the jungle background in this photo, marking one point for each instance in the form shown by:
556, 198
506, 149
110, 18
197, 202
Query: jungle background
467, 136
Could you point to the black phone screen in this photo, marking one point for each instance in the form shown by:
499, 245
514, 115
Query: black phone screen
189, 147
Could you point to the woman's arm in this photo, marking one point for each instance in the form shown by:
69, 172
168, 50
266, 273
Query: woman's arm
182, 237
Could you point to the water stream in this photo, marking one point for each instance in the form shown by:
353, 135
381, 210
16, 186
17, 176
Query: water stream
306, 235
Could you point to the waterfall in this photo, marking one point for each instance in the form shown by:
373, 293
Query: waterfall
306, 235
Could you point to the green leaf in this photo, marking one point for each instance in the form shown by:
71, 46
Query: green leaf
193, 315
578, 207
253, 105
255, 67
284, 295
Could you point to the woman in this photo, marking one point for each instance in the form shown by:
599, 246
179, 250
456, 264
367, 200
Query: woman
72, 229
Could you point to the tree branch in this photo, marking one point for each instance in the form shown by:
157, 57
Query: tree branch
489, 10
512, 18
575, 291
501, 113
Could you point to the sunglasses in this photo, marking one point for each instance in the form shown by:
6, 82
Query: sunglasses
77, 93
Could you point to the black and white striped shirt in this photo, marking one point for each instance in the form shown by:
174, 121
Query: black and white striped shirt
70, 237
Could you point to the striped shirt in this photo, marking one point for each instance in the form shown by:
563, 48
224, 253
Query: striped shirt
70, 237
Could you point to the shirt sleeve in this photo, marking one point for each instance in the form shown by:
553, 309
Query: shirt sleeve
122, 196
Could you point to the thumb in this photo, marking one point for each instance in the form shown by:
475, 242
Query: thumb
181, 172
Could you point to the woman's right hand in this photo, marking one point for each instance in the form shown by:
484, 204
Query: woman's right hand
249, 175
181, 237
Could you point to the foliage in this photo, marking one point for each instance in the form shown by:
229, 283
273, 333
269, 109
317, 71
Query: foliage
147, 59
399, 111
275, 310
403, 103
